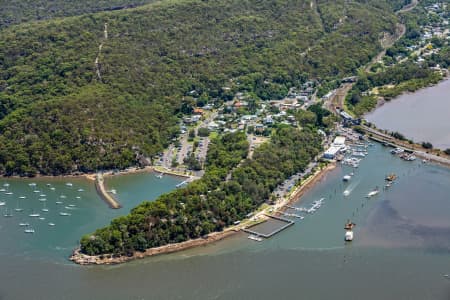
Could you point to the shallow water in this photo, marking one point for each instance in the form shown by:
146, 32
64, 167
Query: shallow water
400, 249
421, 116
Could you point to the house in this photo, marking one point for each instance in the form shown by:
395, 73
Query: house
198, 111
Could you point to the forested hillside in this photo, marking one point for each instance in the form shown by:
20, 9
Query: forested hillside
19, 11
58, 116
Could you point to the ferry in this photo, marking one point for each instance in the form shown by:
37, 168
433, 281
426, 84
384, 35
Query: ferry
255, 238
29, 230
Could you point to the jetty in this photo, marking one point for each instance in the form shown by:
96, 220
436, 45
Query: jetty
107, 197
270, 234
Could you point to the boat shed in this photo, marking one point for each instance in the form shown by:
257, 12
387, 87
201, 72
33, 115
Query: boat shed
331, 152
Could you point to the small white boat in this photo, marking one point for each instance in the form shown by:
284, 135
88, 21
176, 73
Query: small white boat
2, 203
69, 184
34, 215
43, 195
32, 184
58, 202
24, 224
62, 196
80, 190
52, 188
255, 238
8, 193
41, 218
42, 199
2, 190
78, 197
36, 191
113, 191
349, 235
18, 209
51, 224
64, 214
71, 205
346, 177
372, 193
29, 230
45, 209
346, 193
22, 197
6, 184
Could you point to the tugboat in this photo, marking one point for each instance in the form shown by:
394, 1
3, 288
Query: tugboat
349, 231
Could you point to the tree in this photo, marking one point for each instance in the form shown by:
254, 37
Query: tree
427, 145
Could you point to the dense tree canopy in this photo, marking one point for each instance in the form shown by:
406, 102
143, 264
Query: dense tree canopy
155, 56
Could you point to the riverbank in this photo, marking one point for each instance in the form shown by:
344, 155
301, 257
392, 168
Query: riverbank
108, 259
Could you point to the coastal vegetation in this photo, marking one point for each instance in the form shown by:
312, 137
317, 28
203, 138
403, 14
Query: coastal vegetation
212, 202
60, 112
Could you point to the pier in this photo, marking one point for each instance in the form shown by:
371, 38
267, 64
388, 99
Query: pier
270, 234
100, 187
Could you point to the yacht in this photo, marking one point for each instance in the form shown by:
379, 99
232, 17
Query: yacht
58, 202
7, 213
51, 224
2, 203
41, 218
64, 214
42, 199
43, 195
29, 230
34, 215
8, 193
22, 197
24, 224
2, 190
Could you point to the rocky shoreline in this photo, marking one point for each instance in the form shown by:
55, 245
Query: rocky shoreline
110, 259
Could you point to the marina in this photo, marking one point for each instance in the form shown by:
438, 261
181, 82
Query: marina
315, 246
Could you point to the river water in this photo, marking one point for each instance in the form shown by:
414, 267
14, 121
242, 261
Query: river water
422, 116
400, 251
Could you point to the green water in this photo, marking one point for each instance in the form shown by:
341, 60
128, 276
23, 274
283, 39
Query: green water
400, 251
